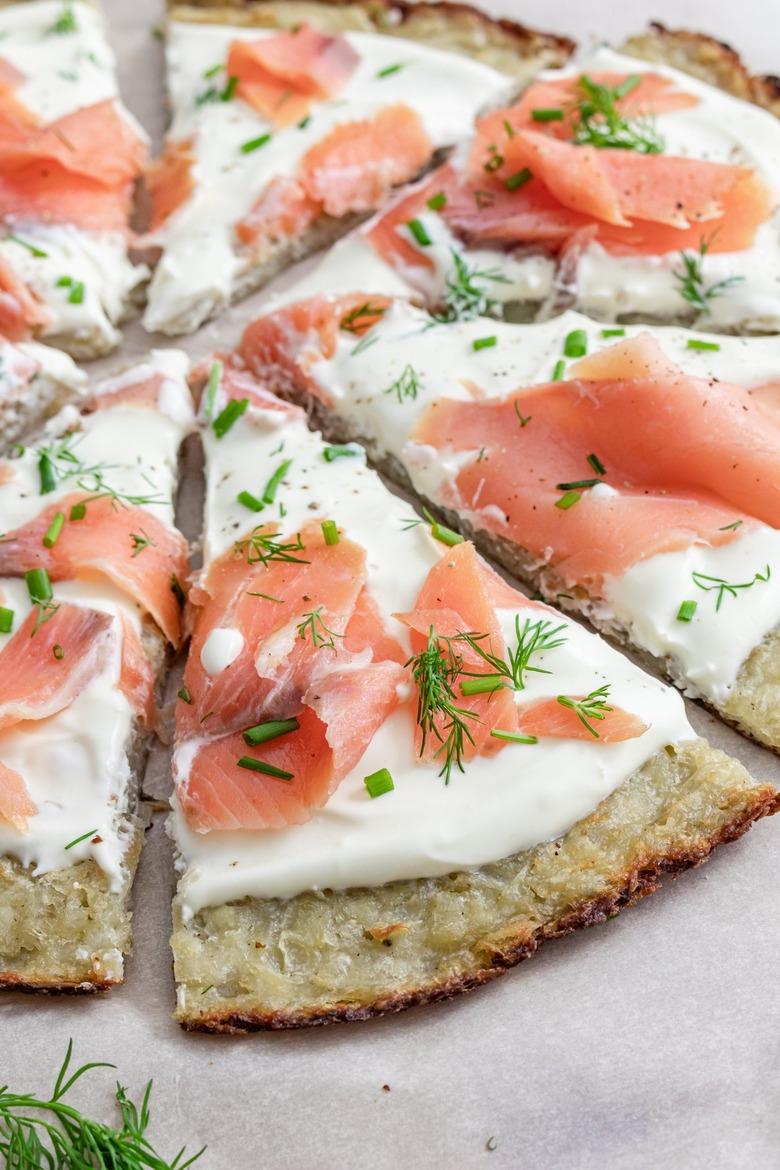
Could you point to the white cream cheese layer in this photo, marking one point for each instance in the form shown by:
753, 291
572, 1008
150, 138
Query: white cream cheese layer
201, 262
524, 795
62, 51
75, 763
709, 650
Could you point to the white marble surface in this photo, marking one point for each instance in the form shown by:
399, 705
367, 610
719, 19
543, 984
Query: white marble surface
651, 1041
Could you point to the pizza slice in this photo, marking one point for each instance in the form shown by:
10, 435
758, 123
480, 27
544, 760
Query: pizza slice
630, 474
625, 189
396, 775
293, 121
91, 568
69, 157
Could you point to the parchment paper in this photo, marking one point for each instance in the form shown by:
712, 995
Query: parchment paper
650, 1041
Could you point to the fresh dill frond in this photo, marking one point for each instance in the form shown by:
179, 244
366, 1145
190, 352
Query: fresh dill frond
593, 706
362, 317
533, 638
691, 283
140, 541
728, 588
61, 460
406, 385
260, 548
466, 296
65, 23
600, 123
435, 671
312, 626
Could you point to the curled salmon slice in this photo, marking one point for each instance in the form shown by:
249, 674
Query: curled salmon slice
549, 719
102, 543
21, 313
16, 805
283, 209
169, 181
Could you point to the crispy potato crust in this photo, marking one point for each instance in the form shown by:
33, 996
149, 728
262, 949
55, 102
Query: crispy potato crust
350, 955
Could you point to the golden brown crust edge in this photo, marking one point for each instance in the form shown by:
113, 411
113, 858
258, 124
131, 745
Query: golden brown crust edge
636, 883
706, 57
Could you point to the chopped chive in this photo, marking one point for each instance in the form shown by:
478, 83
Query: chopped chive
513, 737
437, 201
250, 501
559, 371
63, 282
390, 69
215, 373
184, 695
378, 783
695, 343
46, 472
484, 342
267, 769
597, 465
58, 652
547, 115
576, 343
76, 294
78, 511
613, 332
229, 92
304, 122
441, 532
269, 495
482, 686
339, 451
272, 729
518, 179
38, 585
78, 840
6, 619
577, 483
53, 531
686, 611
735, 524
417, 228
33, 249
568, 500
255, 143
225, 419
330, 532
213, 70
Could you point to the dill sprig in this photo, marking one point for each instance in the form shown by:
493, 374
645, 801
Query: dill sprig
533, 638
362, 317
593, 706
50, 1134
435, 670
64, 464
728, 588
65, 23
313, 627
465, 296
690, 279
260, 548
140, 541
406, 385
601, 124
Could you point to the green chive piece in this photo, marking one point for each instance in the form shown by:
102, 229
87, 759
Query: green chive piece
547, 115
340, 451
78, 512
686, 611
484, 342
54, 530
46, 472
212, 70
33, 249
559, 371
269, 495
568, 500
576, 343
417, 228
597, 465
58, 652
267, 769
215, 373
78, 840
577, 483
378, 783
255, 143
6, 619
184, 695
232, 412
437, 201
694, 343
330, 532
304, 122
441, 532
64, 282
272, 729
250, 501
482, 686
513, 737
76, 294
518, 179
229, 92
38, 585
389, 70
613, 332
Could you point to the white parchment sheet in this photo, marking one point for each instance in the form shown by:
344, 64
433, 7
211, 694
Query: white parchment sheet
652, 1041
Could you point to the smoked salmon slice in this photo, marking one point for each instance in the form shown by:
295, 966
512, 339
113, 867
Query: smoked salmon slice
102, 543
16, 807
169, 181
550, 719
283, 209
21, 313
